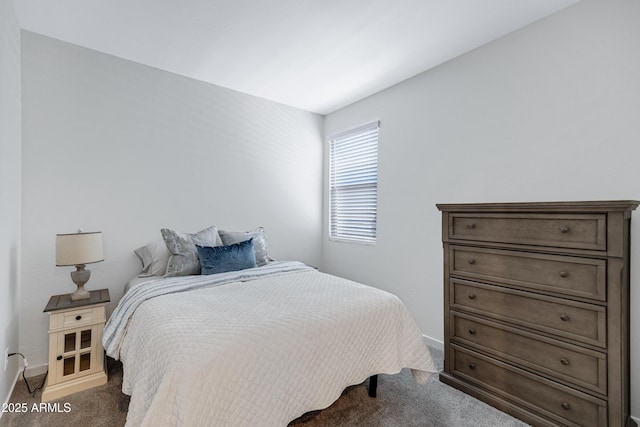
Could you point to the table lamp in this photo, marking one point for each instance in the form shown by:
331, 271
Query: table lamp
79, 249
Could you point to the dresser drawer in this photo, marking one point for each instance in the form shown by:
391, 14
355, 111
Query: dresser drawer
578, 321
581, 277
578, 231
572, 364
554, 401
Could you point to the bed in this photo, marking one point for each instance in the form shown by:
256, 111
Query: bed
259, 346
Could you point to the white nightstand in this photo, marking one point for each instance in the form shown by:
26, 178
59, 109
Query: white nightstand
76, 356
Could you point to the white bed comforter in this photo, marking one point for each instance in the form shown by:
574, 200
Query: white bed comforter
258, 352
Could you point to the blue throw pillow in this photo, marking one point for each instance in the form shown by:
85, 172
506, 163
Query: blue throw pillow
220, 259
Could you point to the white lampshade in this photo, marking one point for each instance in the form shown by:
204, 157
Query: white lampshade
78, 248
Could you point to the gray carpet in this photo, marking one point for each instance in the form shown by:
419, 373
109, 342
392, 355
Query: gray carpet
103, 406
400, 402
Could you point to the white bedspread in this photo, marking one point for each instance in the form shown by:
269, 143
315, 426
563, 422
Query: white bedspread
260, 352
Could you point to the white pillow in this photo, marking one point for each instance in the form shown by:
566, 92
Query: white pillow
259, 242
154, 257
184, 259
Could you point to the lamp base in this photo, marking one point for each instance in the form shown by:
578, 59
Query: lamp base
80, 293
80, 277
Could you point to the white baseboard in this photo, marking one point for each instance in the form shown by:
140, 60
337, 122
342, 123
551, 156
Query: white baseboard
432, 342
13, 386
33, 371
30, 372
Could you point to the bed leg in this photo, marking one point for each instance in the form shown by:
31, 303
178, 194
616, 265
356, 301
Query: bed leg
373, 385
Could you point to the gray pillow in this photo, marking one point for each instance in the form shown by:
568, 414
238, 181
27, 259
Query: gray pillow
154, 257
182, 246
259, 242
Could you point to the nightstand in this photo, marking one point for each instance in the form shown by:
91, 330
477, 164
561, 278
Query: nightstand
76, 356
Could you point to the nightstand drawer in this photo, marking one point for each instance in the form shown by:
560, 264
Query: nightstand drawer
579, 231
76, 318
572, 364
580, 277
578, 321
552, 400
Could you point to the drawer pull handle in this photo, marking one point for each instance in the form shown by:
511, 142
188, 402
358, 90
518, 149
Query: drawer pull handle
563, 274
472, 296
471, 261
472, 331
78, 317
564, 229
564, 361
564, 317
472, 225
59, 358
472, 366
565, 406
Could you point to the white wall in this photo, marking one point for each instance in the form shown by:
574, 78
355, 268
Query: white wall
550, 112
120, 147
9, 192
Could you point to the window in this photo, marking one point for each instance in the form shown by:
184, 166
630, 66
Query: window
353, 185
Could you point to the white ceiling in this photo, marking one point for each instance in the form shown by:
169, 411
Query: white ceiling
318, 55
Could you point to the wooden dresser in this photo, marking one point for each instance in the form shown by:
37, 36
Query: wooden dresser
536, 306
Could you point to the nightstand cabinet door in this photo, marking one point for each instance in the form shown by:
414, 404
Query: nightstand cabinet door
76, 353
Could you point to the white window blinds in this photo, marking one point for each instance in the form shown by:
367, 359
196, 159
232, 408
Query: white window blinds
353, 184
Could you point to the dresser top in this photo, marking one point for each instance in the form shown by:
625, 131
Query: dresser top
63, 302
592, 206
